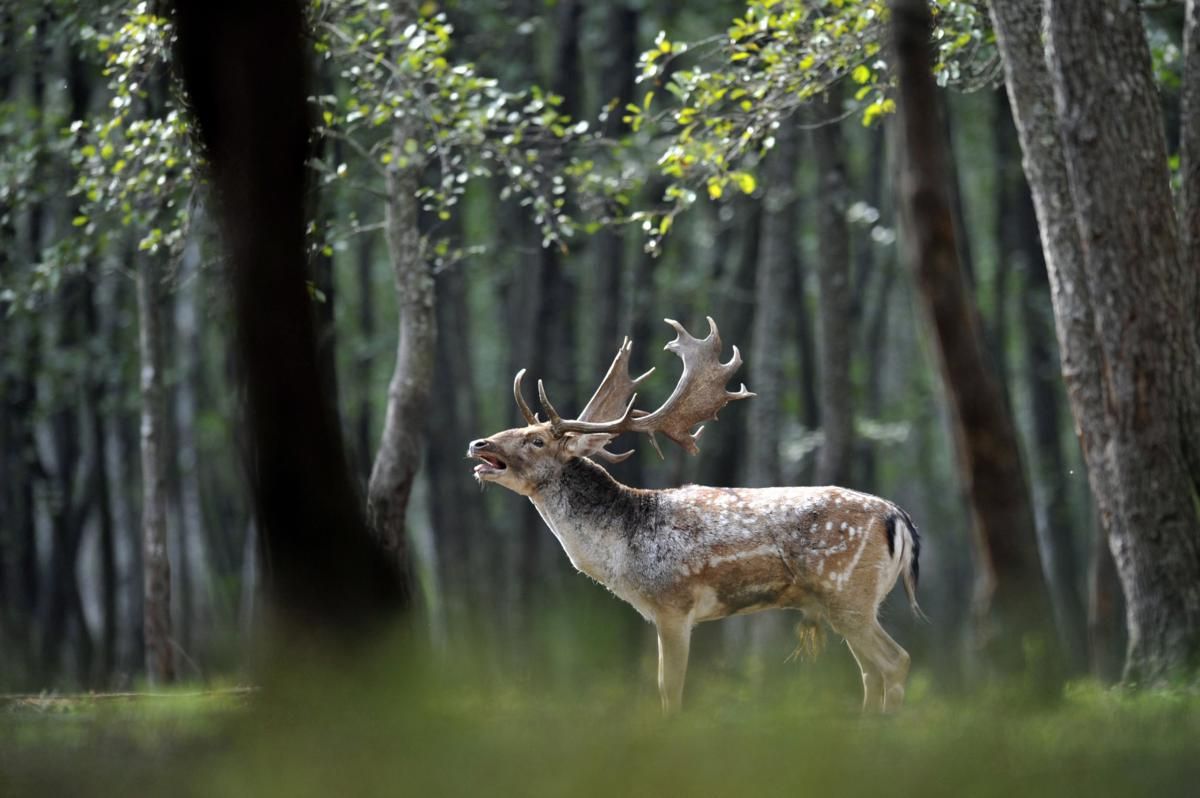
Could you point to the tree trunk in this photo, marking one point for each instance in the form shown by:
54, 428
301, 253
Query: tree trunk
453, 506
244, 68
1056, 532
97, 390
193, 565
404, 420
776, 253
156, 569
1116, 164
722, 463
1106, 608
363, 358
1189, 145
1012, 601
833, 275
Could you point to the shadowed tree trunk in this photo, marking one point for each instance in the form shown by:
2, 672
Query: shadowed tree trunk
1115, 155
245, 71
20, 352
363, 358
1011, 597
776, 254
156, 569
833, 275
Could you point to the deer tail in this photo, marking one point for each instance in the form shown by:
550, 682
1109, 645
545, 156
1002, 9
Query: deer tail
911, 552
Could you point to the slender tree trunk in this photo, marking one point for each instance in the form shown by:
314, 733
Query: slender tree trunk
194, 568
1008, 190
833, 274
722, 463
1116, 164
616, 89
1012, 600
775, 257
876, 331
156, 568
554, 347
399, 454
453, 507
97, 391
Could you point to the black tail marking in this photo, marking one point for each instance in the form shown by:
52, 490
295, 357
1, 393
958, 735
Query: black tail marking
916, 544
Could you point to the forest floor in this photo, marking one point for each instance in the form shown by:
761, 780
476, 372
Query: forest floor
406, 731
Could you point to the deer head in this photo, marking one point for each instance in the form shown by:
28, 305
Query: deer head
523, 458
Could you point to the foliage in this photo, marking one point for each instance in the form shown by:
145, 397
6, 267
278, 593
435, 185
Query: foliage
138, 166
406, 106
733, 92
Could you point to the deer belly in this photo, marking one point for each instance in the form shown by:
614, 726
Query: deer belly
725, 585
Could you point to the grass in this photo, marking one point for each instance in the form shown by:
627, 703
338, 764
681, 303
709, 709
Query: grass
451, 727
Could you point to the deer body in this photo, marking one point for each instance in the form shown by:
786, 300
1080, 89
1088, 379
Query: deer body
685, 555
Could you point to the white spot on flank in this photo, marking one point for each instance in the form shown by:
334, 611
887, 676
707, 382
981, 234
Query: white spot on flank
844, 576
828, 525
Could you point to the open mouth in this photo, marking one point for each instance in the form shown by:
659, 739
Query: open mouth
490, 466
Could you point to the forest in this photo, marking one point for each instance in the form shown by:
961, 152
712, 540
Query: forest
267, 272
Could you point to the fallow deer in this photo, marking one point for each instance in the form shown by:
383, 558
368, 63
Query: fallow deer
692, 554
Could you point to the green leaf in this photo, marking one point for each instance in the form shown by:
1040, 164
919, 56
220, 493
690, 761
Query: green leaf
79, 221
861, 74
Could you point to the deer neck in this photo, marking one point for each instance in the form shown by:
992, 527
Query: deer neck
594, 517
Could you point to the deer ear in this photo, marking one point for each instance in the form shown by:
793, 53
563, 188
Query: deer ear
586, 444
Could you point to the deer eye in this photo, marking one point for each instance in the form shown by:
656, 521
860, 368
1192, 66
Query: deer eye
537, 442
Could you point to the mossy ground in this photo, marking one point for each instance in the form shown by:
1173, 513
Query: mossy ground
448, 728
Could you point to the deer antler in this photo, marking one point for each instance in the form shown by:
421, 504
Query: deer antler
530, 416
699, 395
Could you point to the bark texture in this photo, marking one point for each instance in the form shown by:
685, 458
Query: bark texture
1189, 145
835, 313
1012, 601
156, 567
1144, 321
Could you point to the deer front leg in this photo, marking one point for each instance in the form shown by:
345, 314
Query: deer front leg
674, 637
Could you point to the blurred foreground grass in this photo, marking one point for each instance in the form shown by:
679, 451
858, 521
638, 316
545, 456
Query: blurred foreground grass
449, 726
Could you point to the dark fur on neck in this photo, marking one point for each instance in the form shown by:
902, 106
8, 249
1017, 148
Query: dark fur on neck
593, 496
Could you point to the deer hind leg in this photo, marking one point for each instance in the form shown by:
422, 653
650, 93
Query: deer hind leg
674, 638
894, 667
872, 678
884, 665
